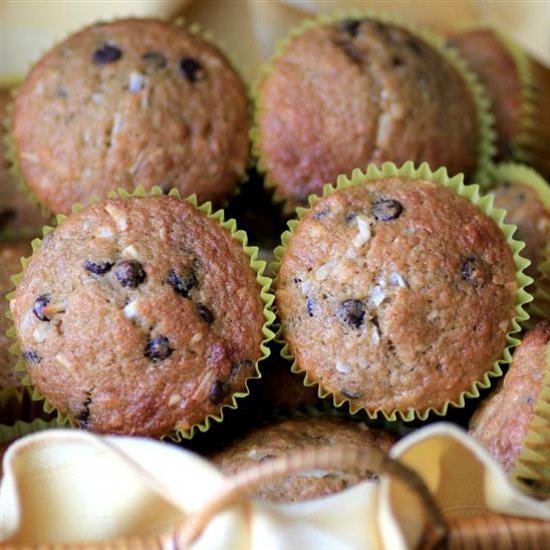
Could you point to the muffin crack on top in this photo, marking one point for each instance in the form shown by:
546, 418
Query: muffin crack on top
145, 314
396, 294
128, 103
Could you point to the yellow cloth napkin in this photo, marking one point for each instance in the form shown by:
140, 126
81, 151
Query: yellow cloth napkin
67, 485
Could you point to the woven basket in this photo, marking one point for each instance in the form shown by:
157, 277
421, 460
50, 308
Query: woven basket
488, 531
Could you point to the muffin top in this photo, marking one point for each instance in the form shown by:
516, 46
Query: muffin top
359, 91
291, 435
134, 102
139, 316
502, 421
494, 65
527, 211
10, 255
17, 213
396, 294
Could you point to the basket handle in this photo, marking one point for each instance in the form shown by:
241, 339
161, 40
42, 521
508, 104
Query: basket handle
344, 457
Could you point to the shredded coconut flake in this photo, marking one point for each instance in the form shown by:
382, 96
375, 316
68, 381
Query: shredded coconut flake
397, 280
105, 233
432, 315
325, 270
375, 336
343, 368
39, 334
118, 215
136, 83
130, 251
131, 310
306, 287
364, 232
254, 454
377, 295
63, 361
117, 124
174, 399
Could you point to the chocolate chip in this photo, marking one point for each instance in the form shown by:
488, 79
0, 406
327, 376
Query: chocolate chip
242, 364
40, 305
154, 60
218, 392
397, 61
385, 210
6, 216
204, 313
182, 281
415, 46
351, 26
352, 394
352, 312
191, 69
320, 215
98, 268
310, 306
468, 268
158, 349
84, 417
130, 273
32, 357
106, 54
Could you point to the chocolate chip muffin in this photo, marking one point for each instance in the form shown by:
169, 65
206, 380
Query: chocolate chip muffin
503, 419
345, 94
396, 294
17, 213
526, 209
10, 255
128, 103
496, 68
139, 316
291, 435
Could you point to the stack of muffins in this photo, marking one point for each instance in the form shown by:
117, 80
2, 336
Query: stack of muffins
399, 290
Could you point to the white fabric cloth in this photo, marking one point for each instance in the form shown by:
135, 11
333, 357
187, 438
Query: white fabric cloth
68, 486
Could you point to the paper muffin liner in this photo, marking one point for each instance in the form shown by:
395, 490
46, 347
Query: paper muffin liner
485, 203
193, 28
532, 467
532, 145
485, 119
20, 429
539, 309
256, 265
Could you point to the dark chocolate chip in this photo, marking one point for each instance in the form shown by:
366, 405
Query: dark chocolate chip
468, 268
397, 61
84, 417
158, 349
106, 54
6, 216
40, 305
352, 312
352, 394
32, 357
386, 210
439, 367
415, 46
242, 364
351, 26
320, 215
182, 281
310, 306
154, 60
204, 313
350, 216
218, 392
98, 268
130, 273
191, 69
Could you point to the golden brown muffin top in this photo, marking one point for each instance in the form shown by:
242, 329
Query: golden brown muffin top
291, 435
128, 103
396, 294
353, 92
502, 421
139, 316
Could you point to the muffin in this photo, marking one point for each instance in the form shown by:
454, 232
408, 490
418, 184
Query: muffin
10, 254
18, 214
340, 95
518, 87
291, 435
141, 316
135, 102
395, 293
502, 421
527, 209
